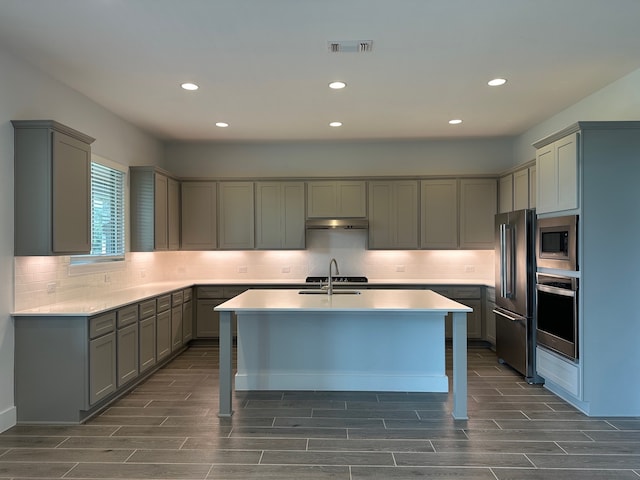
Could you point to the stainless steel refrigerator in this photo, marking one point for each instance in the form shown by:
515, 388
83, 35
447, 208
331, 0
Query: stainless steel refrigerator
515, 291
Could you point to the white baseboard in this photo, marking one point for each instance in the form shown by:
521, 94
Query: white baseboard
8, 418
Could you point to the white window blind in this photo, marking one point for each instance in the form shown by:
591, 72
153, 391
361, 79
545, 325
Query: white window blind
107, 212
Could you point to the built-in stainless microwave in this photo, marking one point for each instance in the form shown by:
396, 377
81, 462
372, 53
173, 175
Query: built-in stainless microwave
557, 242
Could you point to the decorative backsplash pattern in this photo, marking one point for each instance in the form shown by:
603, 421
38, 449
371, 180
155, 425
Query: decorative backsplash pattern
45, 280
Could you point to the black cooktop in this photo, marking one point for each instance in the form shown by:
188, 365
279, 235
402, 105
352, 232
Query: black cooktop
338, 279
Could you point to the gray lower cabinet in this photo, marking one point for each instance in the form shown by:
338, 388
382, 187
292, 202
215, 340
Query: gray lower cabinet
102, 357
187, 317
176, 328
69, 367
208, 320
471, 296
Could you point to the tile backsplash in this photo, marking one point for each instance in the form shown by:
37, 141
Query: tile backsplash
46, 280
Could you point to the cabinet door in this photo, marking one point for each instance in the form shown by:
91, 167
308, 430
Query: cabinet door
533, 188
521, 189
236, 214
293, 229
187, 322
173, 214
474, 320
199, 205
160, 213
127, 348
478, 203
322, 199
506, 194
147, 347
352, 198
439, 226
208, 320
71, 192
163, 334
102, 367
567, 158
176, 327
547, 181
337, 199
489, 316
393, 214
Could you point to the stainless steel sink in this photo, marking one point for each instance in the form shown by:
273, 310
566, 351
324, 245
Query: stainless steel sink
324, 291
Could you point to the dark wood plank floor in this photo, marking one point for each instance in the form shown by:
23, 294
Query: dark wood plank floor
168, 428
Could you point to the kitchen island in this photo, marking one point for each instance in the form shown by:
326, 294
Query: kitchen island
373, 340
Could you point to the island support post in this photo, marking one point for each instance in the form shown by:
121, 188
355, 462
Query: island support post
226, 361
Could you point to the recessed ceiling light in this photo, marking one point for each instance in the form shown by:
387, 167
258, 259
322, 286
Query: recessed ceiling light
189, 86
335, 124
455, 121
496, 82
222, 124
337, 85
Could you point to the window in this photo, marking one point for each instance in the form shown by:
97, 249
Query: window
107, 215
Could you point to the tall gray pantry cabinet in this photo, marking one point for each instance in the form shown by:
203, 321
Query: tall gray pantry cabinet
52, 182
592, 169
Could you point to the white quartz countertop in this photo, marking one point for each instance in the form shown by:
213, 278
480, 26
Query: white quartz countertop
276, 300
100, 303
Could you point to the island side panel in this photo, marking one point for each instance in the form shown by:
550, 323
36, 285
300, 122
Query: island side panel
356, 351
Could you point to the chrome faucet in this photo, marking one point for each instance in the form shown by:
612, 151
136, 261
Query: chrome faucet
332, 262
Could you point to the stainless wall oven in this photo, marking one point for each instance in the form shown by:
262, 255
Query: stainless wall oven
557, 314
557, 243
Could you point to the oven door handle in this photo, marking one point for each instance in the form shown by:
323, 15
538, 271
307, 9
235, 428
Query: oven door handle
556, 291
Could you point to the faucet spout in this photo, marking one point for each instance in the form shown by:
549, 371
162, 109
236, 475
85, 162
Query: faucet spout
331, 263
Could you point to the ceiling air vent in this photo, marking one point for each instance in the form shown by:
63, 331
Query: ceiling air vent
351, 46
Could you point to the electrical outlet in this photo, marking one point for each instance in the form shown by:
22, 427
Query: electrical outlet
107, 278
143, 273
286, 269
242, 269
51, 287
399, 268
469, 269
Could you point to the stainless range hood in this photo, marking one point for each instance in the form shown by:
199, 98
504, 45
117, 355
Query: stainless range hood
341, 223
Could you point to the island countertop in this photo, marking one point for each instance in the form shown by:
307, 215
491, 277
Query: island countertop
366, 299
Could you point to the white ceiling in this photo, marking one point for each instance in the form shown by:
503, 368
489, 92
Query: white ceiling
263, 65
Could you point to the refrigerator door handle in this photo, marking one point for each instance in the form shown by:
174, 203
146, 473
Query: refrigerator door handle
507, 316
507, 266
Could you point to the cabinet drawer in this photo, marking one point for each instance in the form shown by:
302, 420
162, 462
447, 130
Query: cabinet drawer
102, 324
210, 292
187, 294
127, 315
147, 309
466, 292
163, 303
177, 298
230, 292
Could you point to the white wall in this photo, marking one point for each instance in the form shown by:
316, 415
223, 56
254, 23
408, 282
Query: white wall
619, 100
313, 159
25, 93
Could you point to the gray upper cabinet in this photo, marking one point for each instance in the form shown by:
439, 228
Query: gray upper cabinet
199, 212
280, 215
155, 210
439, 214
236, 215
393, 214
337, 199
506, 199
517, 189
478, 207
557, 170
52, 182
521, 189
